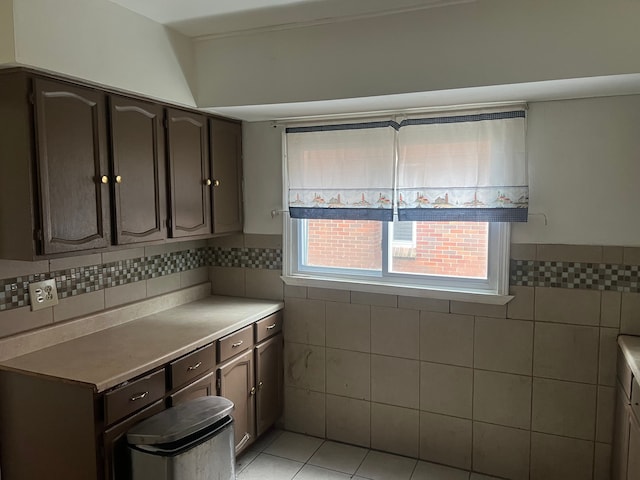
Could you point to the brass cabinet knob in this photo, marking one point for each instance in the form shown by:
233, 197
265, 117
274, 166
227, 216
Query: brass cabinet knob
104, 179
216, 183
260, 385
207, 182
252, 391
118, 179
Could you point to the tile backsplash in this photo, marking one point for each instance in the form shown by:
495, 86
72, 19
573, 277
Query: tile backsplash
90, 278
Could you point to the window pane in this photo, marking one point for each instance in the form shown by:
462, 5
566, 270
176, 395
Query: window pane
456, 249
353, 244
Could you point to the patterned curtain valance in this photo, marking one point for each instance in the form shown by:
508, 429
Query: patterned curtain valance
459, 167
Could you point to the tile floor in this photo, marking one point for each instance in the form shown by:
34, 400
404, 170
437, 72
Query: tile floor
280, 455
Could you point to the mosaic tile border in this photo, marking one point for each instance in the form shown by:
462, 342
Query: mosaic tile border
14, 292
590, 276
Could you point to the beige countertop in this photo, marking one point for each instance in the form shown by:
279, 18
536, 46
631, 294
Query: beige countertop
630, 346
109, 357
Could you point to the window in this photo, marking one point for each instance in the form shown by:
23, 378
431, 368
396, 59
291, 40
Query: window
416, 204
452, 256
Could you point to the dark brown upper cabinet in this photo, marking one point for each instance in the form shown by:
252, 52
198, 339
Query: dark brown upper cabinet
73, 172
138, 170
226, 166
189, 173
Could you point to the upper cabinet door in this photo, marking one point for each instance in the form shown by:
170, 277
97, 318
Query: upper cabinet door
137, 147
189, 173
226, 153
72, 166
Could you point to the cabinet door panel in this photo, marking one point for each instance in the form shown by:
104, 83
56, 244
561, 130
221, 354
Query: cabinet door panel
189, 172
633, 465
269, 382
226, 156
71, 136
621, 436
137, 145
200, 388
236, 384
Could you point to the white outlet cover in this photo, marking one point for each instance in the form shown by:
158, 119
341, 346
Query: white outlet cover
43, 294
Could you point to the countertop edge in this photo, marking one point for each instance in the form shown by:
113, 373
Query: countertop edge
629, 345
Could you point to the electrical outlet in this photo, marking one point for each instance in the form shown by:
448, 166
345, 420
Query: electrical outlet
43, 294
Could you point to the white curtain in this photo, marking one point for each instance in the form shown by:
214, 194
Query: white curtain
456, 166
341, 171
467, 166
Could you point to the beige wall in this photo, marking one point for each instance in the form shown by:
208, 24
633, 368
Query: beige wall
487, 42
7, 44
100, 41
583, 171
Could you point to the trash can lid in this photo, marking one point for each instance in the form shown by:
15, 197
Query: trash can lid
180, 421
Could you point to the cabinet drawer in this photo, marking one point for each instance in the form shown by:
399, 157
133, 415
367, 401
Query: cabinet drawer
235, 343
133, 396
192, 365
625, 376
268, 326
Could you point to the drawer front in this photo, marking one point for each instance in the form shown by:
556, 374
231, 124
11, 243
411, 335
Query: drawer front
625, 376
235, 343
268, 326
191, 366
133, 396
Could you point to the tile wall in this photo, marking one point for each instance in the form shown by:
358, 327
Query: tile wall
519, 391
91, 283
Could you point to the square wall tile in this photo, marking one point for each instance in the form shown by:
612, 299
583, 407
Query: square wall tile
329, 294
228, 241
395, 332
17, 268
523, 251
605, 414
570, 253
479, 309
348, 326
446, 338
194, 276
75, 262
78, 306
295, 291
395, 381
612, 255
610, 309
338, 456
349, 420
502, 398
304, 366
131, 292
253, 240
522, 306
503, 345
566, 352
304, 321
227, 281
446, 389
501, 451
348, 373
262, 283
630, 314
631, 255
608, 356
395, 429
304, 411
560, 458
161, 285
377, 299
564, 408
22, 319
117, 255
428, 304
602, 462
445, 440
567, 305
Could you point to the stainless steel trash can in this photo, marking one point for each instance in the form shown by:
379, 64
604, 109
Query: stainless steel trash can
192, 441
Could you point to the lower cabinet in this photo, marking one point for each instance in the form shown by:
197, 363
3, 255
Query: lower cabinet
269, 382
200, 388
236, 382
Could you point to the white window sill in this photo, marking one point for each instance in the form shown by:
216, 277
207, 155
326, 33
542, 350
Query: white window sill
396, 289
